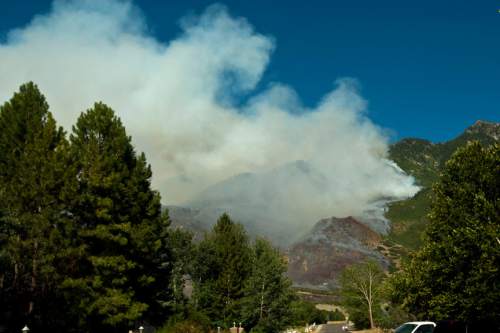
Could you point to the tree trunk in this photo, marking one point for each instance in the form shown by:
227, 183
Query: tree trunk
370, 299
372, 325
262, 301
16, 274
33, 277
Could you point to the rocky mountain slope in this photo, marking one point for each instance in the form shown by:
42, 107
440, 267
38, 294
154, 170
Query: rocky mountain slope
318, 258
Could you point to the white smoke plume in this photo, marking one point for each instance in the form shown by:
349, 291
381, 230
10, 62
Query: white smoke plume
180, 102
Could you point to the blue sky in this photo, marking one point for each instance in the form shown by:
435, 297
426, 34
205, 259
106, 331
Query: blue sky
427, 68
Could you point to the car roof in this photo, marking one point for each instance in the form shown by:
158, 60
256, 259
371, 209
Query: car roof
422, 323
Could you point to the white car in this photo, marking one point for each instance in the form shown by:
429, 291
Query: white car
416, 327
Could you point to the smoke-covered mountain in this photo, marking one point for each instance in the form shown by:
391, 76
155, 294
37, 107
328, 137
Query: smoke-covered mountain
318, 252
333, 244
270, 204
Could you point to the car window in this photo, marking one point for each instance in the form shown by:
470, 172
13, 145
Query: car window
425, 329
405, 328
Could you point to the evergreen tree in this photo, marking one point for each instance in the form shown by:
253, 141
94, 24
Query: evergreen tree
182, 259
456, 274
268, 293
36, 228
221, 267
125, 269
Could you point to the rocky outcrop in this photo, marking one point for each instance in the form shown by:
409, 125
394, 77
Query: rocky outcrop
316, 260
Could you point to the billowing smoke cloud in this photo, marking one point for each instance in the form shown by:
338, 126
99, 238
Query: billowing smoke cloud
180, 102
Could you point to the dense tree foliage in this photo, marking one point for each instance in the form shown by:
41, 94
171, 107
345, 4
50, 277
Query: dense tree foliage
236, 281
126, 255
267, 291
85, 246
36, 226
182, 250
82, 234
221, 268
456, 274
305, 313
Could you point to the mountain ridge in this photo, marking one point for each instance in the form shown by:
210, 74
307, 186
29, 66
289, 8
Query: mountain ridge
319, 254
424, 160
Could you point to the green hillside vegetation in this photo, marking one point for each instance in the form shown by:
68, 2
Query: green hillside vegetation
409, 217
425, 160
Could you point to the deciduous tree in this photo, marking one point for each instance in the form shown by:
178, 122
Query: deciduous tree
456, 273
267, 293
360, 287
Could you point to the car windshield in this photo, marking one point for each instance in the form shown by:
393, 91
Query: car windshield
405, 328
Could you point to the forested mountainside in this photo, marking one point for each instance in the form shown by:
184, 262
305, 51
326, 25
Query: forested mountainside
424, 160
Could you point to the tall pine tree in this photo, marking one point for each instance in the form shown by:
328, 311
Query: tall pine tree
125, 272
36, 227
221, 267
